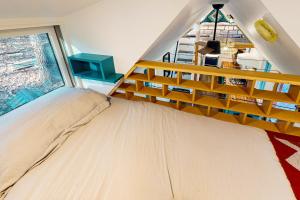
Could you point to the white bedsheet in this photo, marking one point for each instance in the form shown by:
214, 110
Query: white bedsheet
141, 151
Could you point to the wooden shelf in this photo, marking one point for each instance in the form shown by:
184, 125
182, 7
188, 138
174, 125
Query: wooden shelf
181, 96
138, 77
294, 131
228, 73
133, 98
193, 110
262, 124
273, 96
163, 103
155, 79
233, 90
226, 117
210, 101
164, 80
151, 91
127, 87
285, 115
247, 108
222, 89
195, 85
212, 104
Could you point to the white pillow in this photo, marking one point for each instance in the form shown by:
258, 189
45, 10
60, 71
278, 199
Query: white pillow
27, 132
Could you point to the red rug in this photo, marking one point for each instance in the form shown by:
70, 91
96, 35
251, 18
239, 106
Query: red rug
286, 148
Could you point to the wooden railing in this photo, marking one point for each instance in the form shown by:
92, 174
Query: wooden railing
215, 99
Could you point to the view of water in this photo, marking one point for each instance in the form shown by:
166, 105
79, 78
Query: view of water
28, 70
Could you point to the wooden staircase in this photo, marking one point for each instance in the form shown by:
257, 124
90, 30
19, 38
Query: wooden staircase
214, 99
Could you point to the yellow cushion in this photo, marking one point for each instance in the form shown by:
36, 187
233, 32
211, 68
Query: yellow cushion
266, 31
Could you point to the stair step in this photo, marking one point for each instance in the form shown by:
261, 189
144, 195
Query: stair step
185, 52
189, 36
186, 44
185, 60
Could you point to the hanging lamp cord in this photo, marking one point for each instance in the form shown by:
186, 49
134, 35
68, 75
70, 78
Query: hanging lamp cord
216, 23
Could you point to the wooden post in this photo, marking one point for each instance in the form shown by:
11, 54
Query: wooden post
151, 74
228, 100
194, 95
208, 113
139, 85
284, 126
152, 99
214, 82
196, 54
267, 106
294, 93
275, 88
243, 118
179, 78
128, 94
165, 90
178, 105
251, 86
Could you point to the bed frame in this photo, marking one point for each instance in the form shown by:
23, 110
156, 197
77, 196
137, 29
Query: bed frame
242, 104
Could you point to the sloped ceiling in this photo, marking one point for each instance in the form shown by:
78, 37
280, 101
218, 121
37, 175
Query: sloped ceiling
160, 29
40, 8
191, 13
285, 53
286, 14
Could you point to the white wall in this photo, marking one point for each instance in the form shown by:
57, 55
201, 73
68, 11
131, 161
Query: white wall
134, 29
17, 23
40, 8
286, 14
124, 29
190, 14
284, 53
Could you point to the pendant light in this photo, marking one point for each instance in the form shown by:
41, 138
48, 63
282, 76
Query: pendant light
213, 46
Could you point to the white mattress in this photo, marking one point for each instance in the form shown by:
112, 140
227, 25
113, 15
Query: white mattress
141, 151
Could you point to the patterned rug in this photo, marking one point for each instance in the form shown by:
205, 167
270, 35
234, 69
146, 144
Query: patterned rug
288, 151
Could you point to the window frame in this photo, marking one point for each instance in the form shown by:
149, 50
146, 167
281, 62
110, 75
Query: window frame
54, 43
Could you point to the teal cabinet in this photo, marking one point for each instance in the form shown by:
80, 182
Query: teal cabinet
94, 67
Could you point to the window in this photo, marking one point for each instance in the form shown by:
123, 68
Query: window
28, 69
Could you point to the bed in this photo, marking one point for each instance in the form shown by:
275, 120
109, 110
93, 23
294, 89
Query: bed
142, 151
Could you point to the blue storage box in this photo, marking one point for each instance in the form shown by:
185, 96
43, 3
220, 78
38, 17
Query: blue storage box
94, 67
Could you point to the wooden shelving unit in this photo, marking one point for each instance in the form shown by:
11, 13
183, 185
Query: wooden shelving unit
213, 99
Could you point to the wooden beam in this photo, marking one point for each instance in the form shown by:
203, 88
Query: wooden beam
230, 73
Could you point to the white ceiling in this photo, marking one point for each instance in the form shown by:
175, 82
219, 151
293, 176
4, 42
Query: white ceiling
41, 8
285, 53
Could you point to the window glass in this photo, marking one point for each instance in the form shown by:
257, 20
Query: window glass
28, 70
